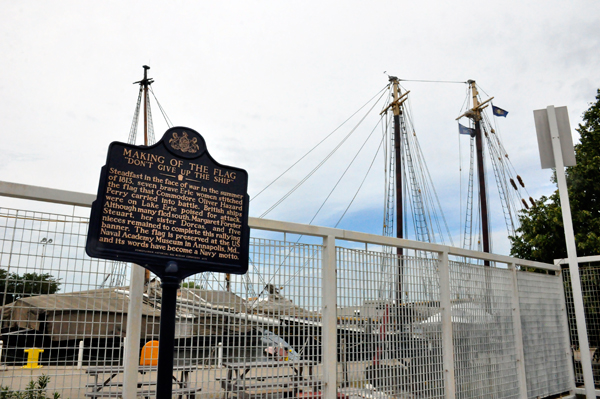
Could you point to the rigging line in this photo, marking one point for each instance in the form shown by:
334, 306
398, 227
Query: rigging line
346, 170
151, 139
299, 268
460, 185
483, 91
511, 167
353, 198
431, 81
383, 137
385, 169
363, 181
320, 164
162, 111
134, 122
261, 281
319, 143
435, 194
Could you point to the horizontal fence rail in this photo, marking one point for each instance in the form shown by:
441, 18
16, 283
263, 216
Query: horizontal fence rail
342, 317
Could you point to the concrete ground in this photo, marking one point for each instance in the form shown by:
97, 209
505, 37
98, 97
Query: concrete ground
71, 382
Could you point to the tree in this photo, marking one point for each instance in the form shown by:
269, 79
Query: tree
541, 235
21, 286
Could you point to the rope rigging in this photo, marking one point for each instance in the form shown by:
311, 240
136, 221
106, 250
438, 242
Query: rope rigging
362, 182
344, 173
424, 219
318, 144
312, 172
424, 206
428, 221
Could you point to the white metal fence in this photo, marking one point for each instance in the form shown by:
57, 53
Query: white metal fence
313, 316
589, 270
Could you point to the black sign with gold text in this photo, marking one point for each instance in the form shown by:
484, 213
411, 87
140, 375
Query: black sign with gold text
171, 202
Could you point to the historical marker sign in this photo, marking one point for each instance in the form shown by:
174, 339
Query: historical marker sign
171, 202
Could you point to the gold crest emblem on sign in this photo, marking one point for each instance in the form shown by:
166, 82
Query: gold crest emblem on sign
183, 143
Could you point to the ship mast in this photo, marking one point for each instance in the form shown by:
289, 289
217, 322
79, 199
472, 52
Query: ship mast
485, 232
144, 83
475, 115
397, 100
398, 167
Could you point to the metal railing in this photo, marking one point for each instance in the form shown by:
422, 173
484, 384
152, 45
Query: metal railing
332, 303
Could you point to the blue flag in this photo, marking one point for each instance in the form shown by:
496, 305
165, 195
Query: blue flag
466, 130
499, 111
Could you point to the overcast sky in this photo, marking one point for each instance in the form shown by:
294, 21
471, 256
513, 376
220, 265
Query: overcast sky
263, 81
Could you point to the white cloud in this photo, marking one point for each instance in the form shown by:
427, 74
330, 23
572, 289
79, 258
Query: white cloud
264, 81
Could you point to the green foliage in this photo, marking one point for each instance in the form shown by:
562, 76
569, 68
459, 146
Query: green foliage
35, 390
20, 286
191, 284
541, 235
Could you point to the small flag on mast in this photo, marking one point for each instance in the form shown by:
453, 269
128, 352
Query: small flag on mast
466, 130
499, 111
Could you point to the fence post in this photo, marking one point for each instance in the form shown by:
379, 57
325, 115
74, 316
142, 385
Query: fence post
80, 356
134, 329
447, 342
2, 366
566, 332
220, 355
329, 330
518, 333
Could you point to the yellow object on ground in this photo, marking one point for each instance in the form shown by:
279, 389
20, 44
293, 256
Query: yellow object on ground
149, 355
33, 356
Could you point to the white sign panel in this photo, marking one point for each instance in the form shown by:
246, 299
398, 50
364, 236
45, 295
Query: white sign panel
542, 127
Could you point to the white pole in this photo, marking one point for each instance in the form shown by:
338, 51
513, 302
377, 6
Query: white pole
80, 356
329, 330
134, 328
124, 344
2, 366
447, 340
568, 354
586, 360
220, 355
518, 333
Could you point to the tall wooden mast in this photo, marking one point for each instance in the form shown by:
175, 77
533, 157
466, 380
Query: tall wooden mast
398, 167
144, 83
480, 169
397, 111
475, 115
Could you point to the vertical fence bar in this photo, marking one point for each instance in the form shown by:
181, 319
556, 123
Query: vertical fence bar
518, 333
134, 322
329, 330
2, 366
566, 332
80, 356
447, 342
220, 355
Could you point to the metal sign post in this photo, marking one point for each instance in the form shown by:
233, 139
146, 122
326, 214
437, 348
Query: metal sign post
164, 377
174, 210
553, 128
